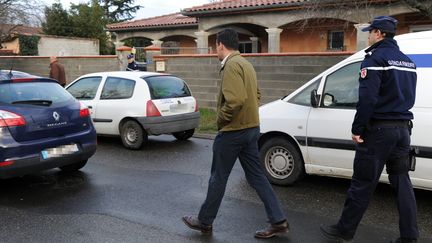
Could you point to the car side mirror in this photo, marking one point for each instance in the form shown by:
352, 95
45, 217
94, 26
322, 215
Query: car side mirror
314, 98
329, 99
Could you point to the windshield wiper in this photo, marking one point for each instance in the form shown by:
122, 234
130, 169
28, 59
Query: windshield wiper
34, 102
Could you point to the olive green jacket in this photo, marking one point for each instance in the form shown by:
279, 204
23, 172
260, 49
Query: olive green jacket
239, 96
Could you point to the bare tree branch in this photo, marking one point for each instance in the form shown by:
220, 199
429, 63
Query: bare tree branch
423, 6
18, 12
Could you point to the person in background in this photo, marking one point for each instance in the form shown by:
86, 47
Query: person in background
238, 125
381, 131
57, 71
132, 66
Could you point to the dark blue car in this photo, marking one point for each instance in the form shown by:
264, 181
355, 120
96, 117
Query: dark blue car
42, 126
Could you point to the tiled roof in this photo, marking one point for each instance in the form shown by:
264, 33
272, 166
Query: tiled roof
20, 29
233, 5
175, 19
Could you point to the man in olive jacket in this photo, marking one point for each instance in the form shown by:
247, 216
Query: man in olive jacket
238, 125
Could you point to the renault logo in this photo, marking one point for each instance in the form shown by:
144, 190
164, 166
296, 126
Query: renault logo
56, 116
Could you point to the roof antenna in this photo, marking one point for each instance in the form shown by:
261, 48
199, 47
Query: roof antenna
10, 72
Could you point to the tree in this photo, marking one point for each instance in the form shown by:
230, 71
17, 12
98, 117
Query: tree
423, 6
26, 12
345, 7
82, 20
18, 12
57, 21
119, 10
89, 22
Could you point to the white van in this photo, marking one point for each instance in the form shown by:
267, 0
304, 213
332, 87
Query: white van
309, 131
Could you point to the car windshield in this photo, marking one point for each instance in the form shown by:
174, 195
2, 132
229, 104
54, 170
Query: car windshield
162, 87
33, 93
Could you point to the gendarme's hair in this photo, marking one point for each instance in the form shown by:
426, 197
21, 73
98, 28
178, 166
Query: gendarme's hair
229, 38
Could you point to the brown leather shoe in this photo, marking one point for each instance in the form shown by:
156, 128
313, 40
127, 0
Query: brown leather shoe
272, 230
194, 223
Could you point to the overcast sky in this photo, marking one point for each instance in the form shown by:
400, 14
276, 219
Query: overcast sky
151, 7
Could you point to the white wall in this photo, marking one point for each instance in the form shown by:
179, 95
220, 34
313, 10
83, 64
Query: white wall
67, 46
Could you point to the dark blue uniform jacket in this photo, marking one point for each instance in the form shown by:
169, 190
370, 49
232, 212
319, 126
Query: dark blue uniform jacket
387, 85
132, 66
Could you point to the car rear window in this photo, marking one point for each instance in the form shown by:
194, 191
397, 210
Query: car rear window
13, 93
162, 87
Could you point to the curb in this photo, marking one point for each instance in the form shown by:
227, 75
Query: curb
205, 136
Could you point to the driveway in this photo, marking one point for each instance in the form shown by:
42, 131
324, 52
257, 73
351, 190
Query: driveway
140, 196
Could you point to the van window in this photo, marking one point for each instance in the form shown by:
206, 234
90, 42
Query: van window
85, 88
117, 88
303, 97
162, 87
341, 87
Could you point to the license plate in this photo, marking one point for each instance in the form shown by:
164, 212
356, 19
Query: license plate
178, 107
59, 151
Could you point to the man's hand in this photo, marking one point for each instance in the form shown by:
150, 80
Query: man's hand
357, 138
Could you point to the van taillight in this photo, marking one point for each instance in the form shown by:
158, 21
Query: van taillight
10, 119
196, 105
84, 111
152, 110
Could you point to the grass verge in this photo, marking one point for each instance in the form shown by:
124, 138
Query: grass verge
207, 121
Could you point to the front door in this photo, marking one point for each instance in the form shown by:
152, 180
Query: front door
329, 125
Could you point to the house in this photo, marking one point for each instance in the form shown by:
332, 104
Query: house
10, 37
271, 26
47, 45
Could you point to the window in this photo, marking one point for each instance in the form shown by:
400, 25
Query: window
33, 91
341, 87
162, 87
336, 40
245, 47
303, 98
117, 88
85, 88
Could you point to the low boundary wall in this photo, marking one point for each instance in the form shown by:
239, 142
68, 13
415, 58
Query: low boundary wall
75, 66
278, 74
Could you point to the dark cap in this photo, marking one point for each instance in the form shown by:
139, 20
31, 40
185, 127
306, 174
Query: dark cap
383, 23
130, 56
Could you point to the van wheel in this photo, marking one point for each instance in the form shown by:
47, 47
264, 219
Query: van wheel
282, 161
184, 135
132, 135
73, 167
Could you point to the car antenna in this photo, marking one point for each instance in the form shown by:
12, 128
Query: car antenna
10, 72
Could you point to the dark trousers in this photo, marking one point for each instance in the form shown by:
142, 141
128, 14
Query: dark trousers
383, 145
227, 147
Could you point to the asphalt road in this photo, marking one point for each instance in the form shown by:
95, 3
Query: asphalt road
140, 196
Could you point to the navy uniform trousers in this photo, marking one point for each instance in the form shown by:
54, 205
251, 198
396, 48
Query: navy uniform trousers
384, 144
227, 147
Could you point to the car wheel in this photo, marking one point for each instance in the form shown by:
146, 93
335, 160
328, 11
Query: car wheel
184, 135
132, 134
282, 161
73, 167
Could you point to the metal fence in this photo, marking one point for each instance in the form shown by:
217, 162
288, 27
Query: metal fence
140, 54
185, 50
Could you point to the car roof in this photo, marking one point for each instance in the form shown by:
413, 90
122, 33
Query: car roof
127, 74
6, 74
